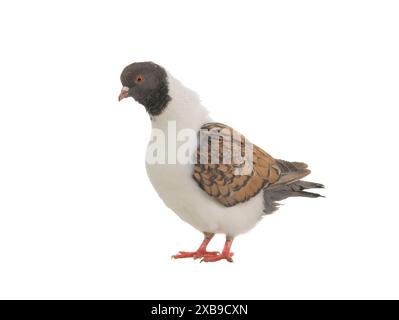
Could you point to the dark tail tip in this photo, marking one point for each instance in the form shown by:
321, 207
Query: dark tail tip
309, 194
308, 185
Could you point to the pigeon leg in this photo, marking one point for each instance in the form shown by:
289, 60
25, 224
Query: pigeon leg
201, 252
225, 255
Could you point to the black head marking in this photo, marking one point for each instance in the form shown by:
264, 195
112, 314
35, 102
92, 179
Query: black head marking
148, 85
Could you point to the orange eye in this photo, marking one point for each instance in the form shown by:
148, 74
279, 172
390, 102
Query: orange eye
139, 79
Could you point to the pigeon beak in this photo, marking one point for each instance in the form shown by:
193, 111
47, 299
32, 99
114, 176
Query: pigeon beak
124, 93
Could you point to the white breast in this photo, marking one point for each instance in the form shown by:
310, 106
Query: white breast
174, 182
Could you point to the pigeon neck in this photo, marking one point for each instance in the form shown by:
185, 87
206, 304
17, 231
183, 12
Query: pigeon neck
184, 108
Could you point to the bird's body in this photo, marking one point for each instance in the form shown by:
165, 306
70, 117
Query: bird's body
213, 197
175, 184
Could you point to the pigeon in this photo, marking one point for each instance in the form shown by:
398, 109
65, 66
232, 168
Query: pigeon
223, 189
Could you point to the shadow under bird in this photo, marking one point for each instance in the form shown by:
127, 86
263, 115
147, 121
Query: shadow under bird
212, 196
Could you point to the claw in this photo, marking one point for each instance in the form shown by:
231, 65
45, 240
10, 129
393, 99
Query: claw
196, 254
227, 256
208, 256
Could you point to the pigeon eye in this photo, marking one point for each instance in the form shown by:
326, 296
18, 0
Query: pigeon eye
139, 79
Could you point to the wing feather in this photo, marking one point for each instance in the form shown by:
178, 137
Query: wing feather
224, 180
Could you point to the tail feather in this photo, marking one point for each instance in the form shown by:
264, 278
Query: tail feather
307, 194
289, 172
307, 185
281, 192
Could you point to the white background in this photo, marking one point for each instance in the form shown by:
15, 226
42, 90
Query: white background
313, 81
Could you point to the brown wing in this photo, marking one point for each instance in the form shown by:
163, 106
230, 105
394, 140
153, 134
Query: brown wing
232, 170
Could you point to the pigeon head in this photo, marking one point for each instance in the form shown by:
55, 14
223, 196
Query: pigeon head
147, 83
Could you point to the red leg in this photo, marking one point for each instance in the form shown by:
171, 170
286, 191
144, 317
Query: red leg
226, 254
201, 252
